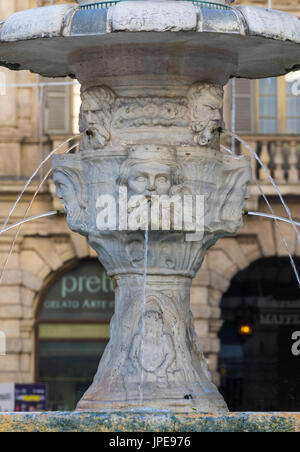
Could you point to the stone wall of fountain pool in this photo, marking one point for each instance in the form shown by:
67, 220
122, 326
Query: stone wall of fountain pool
149, 421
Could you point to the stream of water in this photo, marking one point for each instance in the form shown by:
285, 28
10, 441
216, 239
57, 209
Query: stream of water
270, 178
27, 209
143, 310
35, 173
274, 217
282, 236
27, 220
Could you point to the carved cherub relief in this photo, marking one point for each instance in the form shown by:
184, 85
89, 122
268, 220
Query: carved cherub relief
206, 103
95, 117
152, 350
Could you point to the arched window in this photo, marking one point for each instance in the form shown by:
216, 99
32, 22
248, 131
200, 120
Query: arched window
258, 361
72, 330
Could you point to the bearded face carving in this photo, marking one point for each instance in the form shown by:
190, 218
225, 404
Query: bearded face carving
71, 188
206, 102
95, 117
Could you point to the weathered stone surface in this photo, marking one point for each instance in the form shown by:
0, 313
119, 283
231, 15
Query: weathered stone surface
154, 16
11, 328
271, 23
25, 362
9, 295
10, 363
201, 311
253, 54
27, 297
29, 24
8, 311
18, 345
149, 421
30, 281
201, 327
131, 141
45, 250
36, 263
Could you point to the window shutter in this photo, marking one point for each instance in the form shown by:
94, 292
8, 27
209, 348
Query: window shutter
57, 107
244, 106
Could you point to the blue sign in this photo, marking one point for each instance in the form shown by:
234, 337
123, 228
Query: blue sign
31, 397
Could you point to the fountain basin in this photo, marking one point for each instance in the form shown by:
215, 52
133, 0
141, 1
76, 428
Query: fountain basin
265, 42
148, 421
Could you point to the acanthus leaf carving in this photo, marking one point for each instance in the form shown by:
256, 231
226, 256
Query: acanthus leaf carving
150, 112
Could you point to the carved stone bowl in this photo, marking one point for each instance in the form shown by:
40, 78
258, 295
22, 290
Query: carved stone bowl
245, 41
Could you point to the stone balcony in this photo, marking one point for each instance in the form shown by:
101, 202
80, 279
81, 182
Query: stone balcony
281, 155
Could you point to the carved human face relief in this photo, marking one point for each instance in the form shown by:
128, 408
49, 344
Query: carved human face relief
93, 137
150, 178
153, 324
64, 189
95, 117
72, 194
206, 102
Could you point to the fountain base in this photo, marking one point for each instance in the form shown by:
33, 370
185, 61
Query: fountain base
148, 420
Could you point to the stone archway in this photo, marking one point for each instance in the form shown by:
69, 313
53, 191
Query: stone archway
33, 262
258, 238
71, 329
259, 371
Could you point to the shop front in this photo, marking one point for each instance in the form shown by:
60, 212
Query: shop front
259, 361
72, 331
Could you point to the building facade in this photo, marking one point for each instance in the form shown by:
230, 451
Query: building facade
55, 300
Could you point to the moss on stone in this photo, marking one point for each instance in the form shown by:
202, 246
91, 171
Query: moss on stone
148, 421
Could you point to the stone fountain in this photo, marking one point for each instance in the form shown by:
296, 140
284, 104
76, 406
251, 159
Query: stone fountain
152, 76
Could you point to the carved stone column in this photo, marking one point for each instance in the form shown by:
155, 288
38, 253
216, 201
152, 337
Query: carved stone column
153, 135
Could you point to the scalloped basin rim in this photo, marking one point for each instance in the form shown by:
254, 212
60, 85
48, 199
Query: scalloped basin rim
266, 42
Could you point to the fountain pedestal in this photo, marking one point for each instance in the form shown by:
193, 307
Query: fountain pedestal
154, 358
